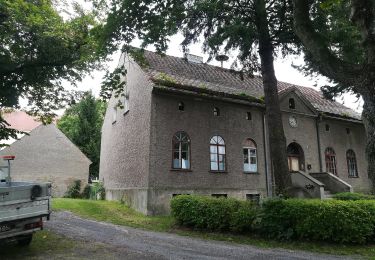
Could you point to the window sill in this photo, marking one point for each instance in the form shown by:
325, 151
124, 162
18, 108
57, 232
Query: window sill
256, 173
218, 171
126, 112
114, 122
180, 170
353, 177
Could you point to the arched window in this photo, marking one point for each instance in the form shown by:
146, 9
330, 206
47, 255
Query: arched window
181, 106
352, 163
250, 162
217, 153
216, 111
292, 103
331, 161
181, 151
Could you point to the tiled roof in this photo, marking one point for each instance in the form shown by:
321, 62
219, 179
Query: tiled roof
21, 121
202, 75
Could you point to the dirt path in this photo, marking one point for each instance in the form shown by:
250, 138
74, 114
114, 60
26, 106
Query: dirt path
130, 243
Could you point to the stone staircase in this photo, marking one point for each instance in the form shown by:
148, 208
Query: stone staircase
321, 185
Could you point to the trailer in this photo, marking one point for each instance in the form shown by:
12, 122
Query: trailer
23, 206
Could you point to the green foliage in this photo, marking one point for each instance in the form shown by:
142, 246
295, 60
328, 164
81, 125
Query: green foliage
138, 56
297, 219
337, 221
113, 212
214, 214
39, 50
74, 190
97, 191
353, 196
165, 78
82, 123
86, 193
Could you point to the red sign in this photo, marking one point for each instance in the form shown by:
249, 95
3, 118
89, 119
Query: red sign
8, 157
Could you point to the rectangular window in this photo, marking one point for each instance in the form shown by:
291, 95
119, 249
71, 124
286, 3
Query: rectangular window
255, 198
250, 160
219, 195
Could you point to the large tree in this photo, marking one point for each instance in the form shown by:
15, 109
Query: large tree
257, 29
339, 41
38, 50
82, 124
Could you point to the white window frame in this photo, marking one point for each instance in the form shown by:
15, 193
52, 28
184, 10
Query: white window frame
249, 156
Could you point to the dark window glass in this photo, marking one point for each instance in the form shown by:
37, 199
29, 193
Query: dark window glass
327, 127
219, 195
216, 111
292, 103
331, 165
255, 198
348, 131
352, 163
248, 116
181, 106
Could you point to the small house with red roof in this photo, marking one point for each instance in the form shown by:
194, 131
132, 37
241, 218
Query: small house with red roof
44, 154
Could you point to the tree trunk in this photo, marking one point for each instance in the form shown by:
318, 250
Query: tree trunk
369, 122
276, 131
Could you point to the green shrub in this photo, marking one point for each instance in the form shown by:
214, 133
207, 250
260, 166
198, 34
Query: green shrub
74, 190
337, 221
97, 191
353, 196
86, 193
214, 214
243, 218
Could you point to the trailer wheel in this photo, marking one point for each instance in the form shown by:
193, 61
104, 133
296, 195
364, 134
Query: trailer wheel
25, 240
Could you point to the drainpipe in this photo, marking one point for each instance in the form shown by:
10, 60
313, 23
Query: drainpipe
267, 171
318, 138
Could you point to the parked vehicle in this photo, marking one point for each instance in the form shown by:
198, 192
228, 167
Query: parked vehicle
23, 206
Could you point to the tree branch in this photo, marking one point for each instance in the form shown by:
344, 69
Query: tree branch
363, 16
329, 64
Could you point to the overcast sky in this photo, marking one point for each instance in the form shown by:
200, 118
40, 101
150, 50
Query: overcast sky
284, 71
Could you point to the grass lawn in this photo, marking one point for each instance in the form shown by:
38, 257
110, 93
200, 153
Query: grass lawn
120, 214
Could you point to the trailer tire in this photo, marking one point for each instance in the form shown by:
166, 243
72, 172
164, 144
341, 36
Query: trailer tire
25, 240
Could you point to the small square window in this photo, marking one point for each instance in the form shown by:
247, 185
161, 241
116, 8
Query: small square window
327, 127
255, 198
181, 106
248, 116
292, 103
216, 111
348, 131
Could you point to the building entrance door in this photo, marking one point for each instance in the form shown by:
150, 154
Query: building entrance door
296, 158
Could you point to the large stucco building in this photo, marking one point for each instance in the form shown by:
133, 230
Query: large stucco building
189, 127
44, 155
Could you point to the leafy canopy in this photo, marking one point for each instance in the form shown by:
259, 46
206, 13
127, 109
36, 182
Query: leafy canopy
82, 123
39, 50
224, 26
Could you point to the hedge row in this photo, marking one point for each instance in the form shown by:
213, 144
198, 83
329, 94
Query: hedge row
353, 196
334, 220
214, 214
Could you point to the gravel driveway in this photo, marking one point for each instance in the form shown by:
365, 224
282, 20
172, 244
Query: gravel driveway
131, 243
